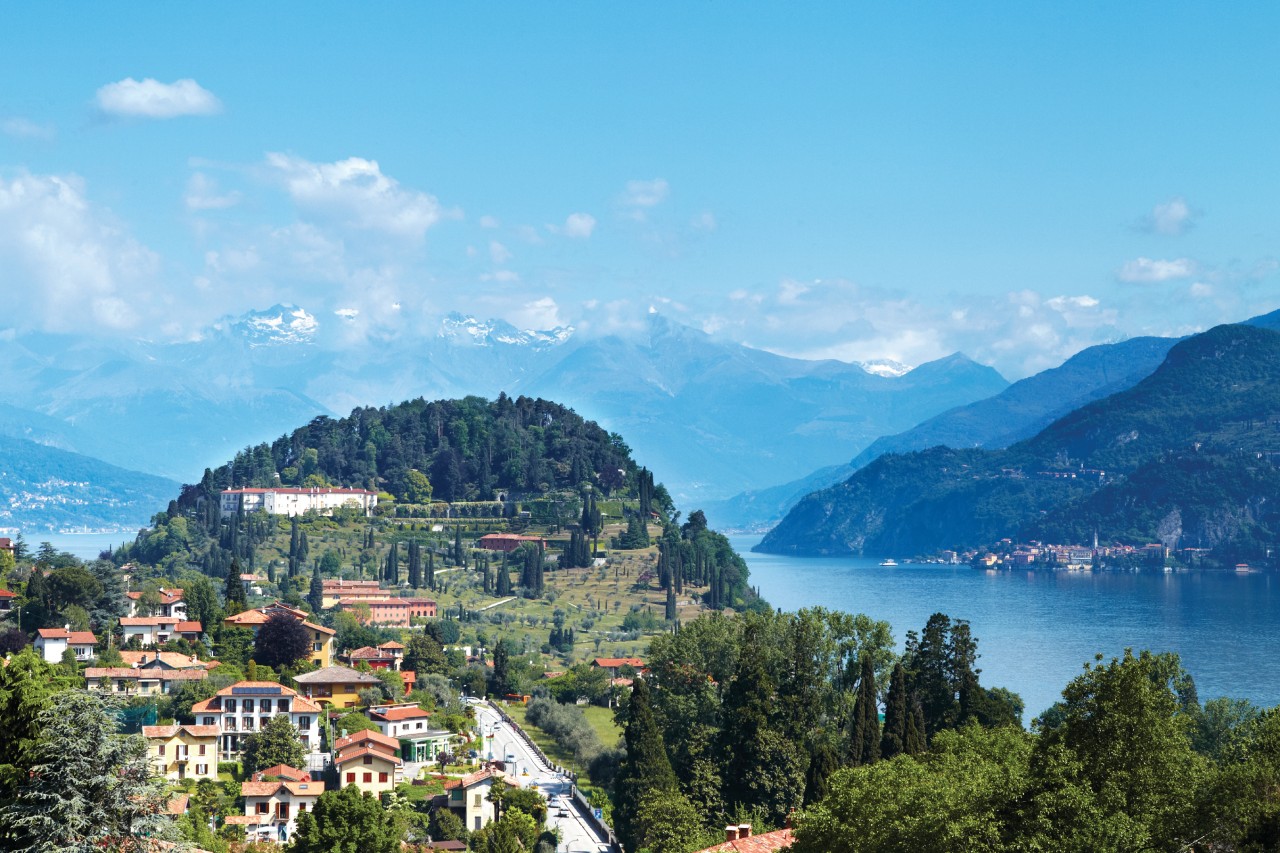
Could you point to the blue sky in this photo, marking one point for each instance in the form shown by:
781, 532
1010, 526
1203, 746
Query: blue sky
859, 181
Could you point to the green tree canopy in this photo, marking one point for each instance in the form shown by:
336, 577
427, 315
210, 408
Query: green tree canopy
347, 821
277, 742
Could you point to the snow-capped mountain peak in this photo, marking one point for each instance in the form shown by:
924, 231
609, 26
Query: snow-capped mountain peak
464, 329
885, 367
279, 324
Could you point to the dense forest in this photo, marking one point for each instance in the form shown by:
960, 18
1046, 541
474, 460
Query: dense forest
1121, 466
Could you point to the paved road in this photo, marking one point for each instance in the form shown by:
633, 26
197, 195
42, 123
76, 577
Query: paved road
577, 835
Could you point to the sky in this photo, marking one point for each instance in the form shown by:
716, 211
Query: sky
858, 181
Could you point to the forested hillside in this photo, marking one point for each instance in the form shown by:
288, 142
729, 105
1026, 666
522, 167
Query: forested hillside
468, 449
1213, 406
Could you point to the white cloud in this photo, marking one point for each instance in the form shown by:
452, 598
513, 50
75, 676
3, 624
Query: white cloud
1200, 290
705, 221
21, 128
150, 98
640, 196
68, 265
541, 313
357, 193
202, 194
576, 225
1173, 217
501, 277
489, 222
1066, 303
499, 253
1148, 270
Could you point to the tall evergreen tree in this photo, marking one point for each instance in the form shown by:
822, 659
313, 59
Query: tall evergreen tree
233, 590
893, 740
866, 719
315, 597
916, 740
671, 604
415, 564
645, 768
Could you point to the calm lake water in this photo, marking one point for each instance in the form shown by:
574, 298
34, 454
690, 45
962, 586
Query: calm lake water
1035, 630
86, 546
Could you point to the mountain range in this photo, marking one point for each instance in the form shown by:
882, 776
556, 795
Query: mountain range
713, 417
1186, 456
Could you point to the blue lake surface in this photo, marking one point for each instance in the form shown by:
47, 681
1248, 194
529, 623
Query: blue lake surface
1035, 630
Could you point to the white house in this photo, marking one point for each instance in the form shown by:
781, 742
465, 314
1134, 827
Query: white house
158, 630
469, 796
408, 722
52, 642
245, 707
171, 603
284, 501
271, 809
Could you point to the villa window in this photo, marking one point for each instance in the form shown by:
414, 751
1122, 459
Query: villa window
263, 808
368, 778
382, 777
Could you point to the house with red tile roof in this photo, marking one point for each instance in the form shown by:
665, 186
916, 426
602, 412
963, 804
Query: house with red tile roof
164, 660
508, 541
468, 797
183, 751
139, 681
171, 603
738, 839
322, 638
52, 642
271, 809
408, 722
369, 760
282, 771
246, 706
6, 600
158, 630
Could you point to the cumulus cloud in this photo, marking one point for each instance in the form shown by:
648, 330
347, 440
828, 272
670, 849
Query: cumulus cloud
1173, 217
1150, 270
22, 128
541, 313
641, 196
356, 193
203, 194
149, 98
576, 225
69, 265
1200, 290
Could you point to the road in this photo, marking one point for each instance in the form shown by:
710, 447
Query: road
577, 835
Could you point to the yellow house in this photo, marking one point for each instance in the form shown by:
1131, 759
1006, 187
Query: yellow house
322, 638
183, 752
369, 760
335, 686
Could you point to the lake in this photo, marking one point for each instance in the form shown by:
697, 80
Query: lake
86, 546
1035, 630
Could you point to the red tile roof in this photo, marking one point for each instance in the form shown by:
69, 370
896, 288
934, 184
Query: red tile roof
189, 628
612, 662
347, 756
4, 593
170, 731
75, 638
361, 737
284, 771
267, 789
392, 715
765, 843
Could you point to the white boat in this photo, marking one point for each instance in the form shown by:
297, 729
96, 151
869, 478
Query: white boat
889, 562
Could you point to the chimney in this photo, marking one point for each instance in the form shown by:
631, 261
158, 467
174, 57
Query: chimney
731, 833
744, 830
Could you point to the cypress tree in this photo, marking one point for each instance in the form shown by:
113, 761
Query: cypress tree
415, 564
893, 741
315, 597
645, 769
866, 722
671, 604
234, 589
915, 742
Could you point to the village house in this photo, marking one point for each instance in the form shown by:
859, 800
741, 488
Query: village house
6, 601
139, 681
271, 809
158, 630
164, 660
369, 760
335, 686
183, 751
52, 642
386, 656
411, 725
615, 666
322, 638
171, 603
246, 706
292, 502
390, 612
468, 797
738, 839
336, 590
508, 541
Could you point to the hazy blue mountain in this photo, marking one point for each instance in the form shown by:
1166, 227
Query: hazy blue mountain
712, 418
1019, 411
47, 489
1187, 455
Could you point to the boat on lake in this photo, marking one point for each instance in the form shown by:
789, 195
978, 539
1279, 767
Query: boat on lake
889, 562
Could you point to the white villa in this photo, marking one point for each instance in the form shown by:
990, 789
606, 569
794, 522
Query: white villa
296, 501
245, 707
